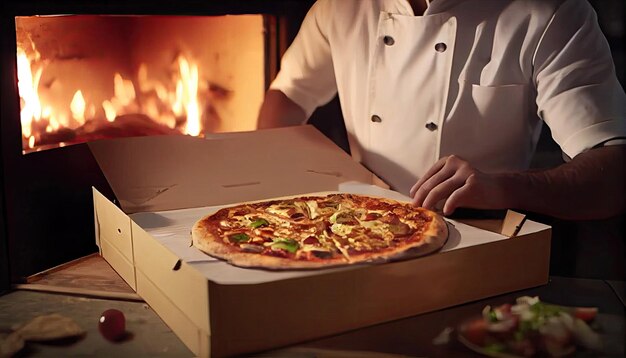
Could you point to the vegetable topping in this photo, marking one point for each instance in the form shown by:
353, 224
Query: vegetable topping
531, 328
290, 245
238, 238
259, 223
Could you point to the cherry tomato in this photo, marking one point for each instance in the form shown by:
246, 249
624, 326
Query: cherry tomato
112, 325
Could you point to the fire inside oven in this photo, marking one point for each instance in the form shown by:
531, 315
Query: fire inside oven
87, 77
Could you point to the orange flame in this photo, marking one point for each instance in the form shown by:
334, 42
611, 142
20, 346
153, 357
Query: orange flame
28, 85
165, 103
187, 88
77, 106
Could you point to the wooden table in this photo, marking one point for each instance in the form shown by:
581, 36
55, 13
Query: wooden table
85, 288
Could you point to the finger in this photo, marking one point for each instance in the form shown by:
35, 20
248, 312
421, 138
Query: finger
444, 190
429, 173
456, 199
423, 191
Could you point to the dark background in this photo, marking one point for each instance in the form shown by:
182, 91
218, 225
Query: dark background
4, 257
593, 249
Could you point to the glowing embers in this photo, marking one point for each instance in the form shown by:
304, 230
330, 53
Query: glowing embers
162, 108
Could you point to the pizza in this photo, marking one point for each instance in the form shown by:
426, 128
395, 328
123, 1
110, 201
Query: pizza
319, 231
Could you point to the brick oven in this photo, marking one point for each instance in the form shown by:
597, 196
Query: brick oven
114, 69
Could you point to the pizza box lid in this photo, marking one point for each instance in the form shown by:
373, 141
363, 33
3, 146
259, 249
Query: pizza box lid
175, 172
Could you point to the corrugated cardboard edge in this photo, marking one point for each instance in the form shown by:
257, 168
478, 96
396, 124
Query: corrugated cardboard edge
183, 283
193, 337
123, 263
512, 223
96, 221
509, 226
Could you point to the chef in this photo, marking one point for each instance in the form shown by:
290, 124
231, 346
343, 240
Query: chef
445, 100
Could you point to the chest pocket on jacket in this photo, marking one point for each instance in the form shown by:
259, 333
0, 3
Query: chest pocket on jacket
486, 122
485, 108
506, 104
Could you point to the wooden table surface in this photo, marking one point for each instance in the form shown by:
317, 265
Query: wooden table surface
85, 288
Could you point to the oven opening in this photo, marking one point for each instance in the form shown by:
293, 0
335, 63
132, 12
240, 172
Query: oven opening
88, 77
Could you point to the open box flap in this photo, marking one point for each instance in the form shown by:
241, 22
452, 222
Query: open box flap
174, 172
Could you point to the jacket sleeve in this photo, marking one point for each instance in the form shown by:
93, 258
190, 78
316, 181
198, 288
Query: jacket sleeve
306, 73
578, 94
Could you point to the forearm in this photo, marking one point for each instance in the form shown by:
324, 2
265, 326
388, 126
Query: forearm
591, 186
279, 111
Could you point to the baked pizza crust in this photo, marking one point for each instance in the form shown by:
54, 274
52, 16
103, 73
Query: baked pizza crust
433, 239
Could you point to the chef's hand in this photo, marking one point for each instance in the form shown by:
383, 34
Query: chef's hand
458, 183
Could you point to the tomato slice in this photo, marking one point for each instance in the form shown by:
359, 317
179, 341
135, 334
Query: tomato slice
475, 331
586, 314
505, 308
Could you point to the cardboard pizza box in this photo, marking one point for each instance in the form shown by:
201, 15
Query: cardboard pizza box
164, 184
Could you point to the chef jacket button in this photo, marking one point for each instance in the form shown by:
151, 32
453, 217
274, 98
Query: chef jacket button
440, 47
431, 126
376, 119
389, 41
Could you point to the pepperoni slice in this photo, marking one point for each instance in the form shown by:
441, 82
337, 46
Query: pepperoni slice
371, 216
311, 240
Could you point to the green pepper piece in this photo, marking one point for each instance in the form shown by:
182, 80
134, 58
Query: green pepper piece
525, 326
545, 310
239, 238
495, 348
290, 245
259, 223
518, 336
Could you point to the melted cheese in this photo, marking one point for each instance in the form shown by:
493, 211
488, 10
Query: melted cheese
313, 208
238, 220
341, 229
341, 249
283, 233
359, 244
276, 210
376, 226
314, 248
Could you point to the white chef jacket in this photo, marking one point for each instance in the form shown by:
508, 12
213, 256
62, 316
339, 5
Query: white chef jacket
471, 78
